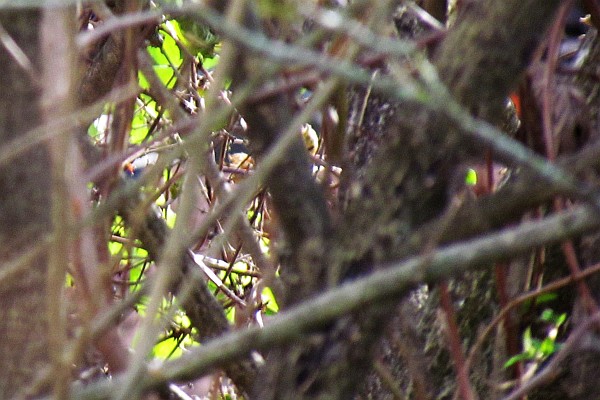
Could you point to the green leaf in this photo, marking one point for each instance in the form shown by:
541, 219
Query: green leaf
545, 298
170, 217
199, 39
167, 348
171, 52
471, 178
165, 74
142, 81
230, 314
139, 127
115, 248
210, 62
527, 340
547, 347
515, 359
268, 298
547, 315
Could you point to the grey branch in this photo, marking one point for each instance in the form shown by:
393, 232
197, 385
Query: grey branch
388, 283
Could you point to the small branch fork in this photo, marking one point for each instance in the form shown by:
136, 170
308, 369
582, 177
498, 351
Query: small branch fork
545, 170
399, 278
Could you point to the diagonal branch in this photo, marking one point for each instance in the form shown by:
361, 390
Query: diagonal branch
392, 281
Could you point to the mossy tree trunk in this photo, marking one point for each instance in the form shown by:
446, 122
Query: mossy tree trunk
404, 184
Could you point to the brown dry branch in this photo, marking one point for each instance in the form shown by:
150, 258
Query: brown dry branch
414, 119
397, 278
201, 307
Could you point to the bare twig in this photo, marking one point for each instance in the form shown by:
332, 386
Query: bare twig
57, 27
433, 95
18, 55
116, 23
58, 124
455, 348
522, 299
379, 286
553, 369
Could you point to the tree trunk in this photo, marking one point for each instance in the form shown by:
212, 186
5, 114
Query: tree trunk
405, 184
24, 215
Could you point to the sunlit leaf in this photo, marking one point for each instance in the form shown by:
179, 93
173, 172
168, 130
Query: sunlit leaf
471, 178
167, 348
268, 298
515, 359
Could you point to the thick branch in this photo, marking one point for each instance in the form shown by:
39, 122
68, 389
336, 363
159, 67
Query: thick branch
408, 183
205, 313
298, 200
203, 310
392, 281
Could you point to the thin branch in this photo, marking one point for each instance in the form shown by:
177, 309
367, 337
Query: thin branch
244, 231
18, 55
455, 348
434, 95
56, 33
116, 23
58, 125
380, 286
549, 79
522, 299
216, 280
553, 369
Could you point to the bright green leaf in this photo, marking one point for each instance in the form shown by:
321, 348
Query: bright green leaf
515, 359
471, 178
547, 347
167, 348
268, 298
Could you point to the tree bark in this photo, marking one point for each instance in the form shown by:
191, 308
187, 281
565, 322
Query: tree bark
407, 183
24, 216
